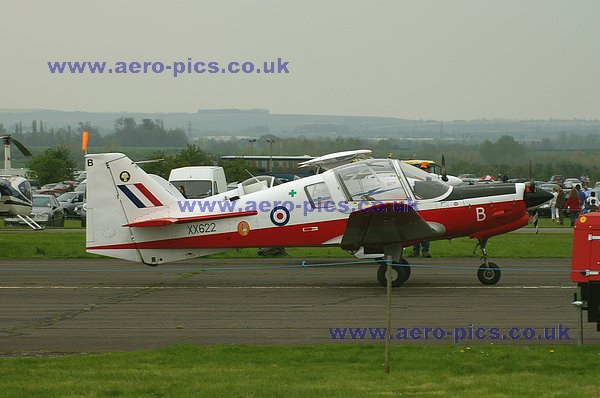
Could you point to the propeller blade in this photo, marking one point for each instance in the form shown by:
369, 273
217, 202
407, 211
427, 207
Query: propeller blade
444, 172
531, 179
21, 147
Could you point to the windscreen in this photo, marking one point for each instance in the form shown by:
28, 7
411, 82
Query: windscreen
424, 185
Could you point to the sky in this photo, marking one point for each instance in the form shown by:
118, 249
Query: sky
429, 59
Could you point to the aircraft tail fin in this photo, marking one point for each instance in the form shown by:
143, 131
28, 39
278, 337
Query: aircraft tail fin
119, 193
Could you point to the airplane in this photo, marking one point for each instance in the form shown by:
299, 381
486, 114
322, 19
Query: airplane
15, 191
377, 206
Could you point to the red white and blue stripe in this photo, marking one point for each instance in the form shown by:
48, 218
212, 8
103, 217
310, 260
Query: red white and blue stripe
140, 195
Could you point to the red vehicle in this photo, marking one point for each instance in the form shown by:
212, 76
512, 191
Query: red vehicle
585, 264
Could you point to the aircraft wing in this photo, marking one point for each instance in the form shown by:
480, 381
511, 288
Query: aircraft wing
162, 221
383, 225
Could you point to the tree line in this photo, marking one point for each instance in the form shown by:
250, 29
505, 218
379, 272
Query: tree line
568, 154
127, 133
56, 164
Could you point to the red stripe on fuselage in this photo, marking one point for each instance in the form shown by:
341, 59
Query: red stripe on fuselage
288, 235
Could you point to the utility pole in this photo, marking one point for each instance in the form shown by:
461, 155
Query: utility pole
271, 142
252, 141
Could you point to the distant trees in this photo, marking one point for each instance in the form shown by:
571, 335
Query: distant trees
150, 133
567, 153
127, 133
53, 165
191, 155
238, 169
505, 150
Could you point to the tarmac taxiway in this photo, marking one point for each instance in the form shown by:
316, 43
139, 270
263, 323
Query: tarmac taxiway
76, 306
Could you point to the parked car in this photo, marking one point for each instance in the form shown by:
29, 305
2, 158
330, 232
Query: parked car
46, 211
52, 192
82, 186
81, 176
548, 186
571, 182
81, 211
69, 200
469, 179
557, 179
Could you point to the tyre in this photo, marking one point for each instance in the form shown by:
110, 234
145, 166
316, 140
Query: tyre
489, 274
400, 275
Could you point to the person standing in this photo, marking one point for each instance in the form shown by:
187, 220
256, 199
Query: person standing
591, 203
422, 247
582, 196
560, 204
553, 208
573, 205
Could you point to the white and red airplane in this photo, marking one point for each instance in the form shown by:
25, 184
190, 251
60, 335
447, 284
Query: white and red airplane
371, 206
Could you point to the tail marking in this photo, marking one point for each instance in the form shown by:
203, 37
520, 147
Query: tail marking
140, 195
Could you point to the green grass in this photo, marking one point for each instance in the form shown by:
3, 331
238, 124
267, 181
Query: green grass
547, 223
40, 244
310, 371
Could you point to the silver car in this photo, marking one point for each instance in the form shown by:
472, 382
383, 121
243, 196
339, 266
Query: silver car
46, 211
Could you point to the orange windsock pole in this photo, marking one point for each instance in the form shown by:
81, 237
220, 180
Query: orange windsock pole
84, 141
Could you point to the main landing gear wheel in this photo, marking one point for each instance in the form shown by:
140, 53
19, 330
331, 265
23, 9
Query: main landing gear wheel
400, 273
489, 274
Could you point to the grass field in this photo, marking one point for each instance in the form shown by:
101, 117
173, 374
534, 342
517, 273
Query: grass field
41, 244
310, 371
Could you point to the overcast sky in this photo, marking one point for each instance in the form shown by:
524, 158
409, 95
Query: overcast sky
442, 59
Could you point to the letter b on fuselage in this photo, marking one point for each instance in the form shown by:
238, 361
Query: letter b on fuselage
480, 214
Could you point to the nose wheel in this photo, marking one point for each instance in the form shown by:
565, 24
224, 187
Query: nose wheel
488, 273
400, 273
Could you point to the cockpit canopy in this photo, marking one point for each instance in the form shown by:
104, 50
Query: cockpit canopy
371, 180
380, 180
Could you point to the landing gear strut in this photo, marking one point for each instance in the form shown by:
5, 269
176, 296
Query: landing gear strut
488, 273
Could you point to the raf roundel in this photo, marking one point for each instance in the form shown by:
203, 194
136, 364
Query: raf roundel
280, 216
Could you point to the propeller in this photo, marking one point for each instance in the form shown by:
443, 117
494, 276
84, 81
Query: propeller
10, 140
444, 172
531, 178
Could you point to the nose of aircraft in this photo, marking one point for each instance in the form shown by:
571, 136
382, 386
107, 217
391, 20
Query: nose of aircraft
533, 199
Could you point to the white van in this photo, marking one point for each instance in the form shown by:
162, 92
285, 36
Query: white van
199, 181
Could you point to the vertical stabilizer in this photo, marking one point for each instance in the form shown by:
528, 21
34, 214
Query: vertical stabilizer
119, 192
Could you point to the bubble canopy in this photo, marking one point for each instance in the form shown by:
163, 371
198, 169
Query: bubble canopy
381, 180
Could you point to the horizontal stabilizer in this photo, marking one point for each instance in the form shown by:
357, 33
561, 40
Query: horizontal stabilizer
161, 222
